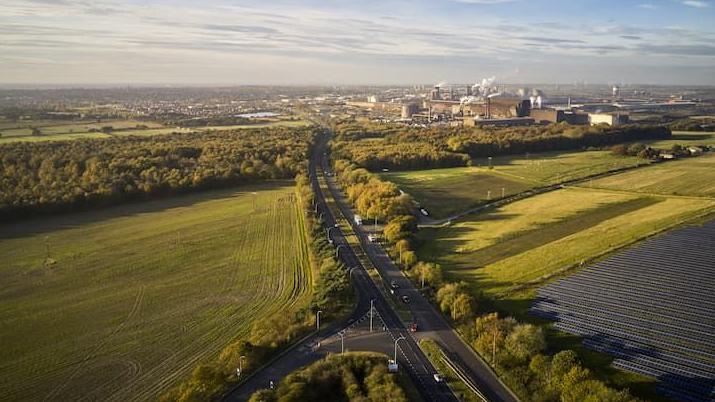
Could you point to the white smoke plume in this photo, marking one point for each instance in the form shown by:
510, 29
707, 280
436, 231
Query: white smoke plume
484, 87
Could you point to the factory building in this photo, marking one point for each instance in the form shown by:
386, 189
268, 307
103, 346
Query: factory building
409, 110
489, 108
548, 115
612, 119
499, 122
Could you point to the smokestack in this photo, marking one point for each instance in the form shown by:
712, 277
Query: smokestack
489, 108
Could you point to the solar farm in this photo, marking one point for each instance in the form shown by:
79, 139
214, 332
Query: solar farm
652, 307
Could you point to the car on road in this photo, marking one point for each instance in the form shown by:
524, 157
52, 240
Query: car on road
372, 238
424, 212
405, 299
413, 327
438, 377
394, 285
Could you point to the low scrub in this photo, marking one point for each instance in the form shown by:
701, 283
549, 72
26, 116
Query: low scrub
346, 377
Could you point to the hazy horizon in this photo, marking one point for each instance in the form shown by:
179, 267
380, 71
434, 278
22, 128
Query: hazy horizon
75, 43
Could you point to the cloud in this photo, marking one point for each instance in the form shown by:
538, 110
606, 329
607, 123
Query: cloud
66, 33
696, 3
648, 6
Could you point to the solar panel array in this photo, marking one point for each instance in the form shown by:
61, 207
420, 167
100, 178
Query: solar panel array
652, 307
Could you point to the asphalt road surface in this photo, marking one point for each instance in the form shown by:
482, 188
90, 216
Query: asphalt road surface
409, 355
430, 322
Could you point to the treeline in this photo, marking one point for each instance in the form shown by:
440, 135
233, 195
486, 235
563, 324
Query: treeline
707, 124
372, 197
184, 121
378, 147
83, 173
332, 295
345, 377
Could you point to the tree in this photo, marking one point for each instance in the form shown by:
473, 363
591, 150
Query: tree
525, 341
409, 258
428, 273
446, 295
561, 363
461, 307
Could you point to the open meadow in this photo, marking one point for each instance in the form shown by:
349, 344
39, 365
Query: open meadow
685, 138
523, 243
121, 304
688, 177
62, 130
447, 191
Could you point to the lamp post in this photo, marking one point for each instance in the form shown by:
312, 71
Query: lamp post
240, 366
342, 341
317, 319
372, 301
337, 249
397, 340
350, 272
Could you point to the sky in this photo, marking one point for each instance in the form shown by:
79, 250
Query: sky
280, 42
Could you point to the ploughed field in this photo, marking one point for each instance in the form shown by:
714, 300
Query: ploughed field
120, 304
651, 307
444, 192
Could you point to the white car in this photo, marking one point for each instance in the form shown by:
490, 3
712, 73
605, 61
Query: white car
438, 377
372, 238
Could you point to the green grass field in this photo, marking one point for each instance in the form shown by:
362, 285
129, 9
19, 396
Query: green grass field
58, 130
140, 294
685, 138
447, 191
688, 176
528, 241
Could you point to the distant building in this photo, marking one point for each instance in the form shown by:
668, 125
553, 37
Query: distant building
612, 119
512, 121
548, 115
409, 109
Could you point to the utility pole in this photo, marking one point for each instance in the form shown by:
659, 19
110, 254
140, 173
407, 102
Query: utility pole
490, 162
494, 345
317, 320
254, 200
240, 366
371, 307
397, 340
342, 341
503, 192
489, 194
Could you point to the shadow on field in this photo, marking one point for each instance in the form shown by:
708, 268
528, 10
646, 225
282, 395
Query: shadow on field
42, 224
